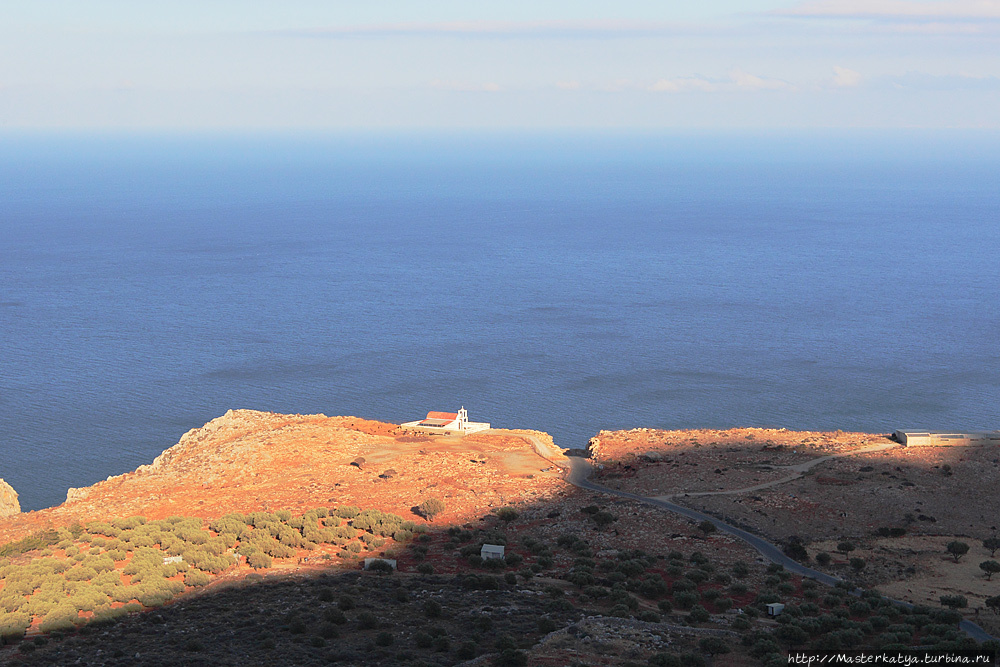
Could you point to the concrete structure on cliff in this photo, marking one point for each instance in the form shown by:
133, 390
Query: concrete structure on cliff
945, 438
448, 422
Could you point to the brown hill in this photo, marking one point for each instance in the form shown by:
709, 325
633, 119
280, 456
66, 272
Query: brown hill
248, 461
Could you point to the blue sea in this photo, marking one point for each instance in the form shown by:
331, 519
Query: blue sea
568, 282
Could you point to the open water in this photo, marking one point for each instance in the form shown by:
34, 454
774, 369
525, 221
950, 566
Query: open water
568, 283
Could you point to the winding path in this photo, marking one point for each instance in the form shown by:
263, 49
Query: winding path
576, 471
798, 470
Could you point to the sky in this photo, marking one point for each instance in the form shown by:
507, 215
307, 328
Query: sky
631, 64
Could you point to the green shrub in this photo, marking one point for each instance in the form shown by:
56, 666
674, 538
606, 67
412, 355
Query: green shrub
714, 646
128, 523
699, 614
957, 549
506, 514
108, 615
102, 528
367, 620
81, 573
88, 598
63, 617
196, 578
154, 596
266, 543
289, 537
260, 519
696, 576
327, 630
347, 512
377, 522
233, 524
13, 625
100, 563
954, 601
334, 616
620, 611
467, 651
384, 639
259, 560
431, 507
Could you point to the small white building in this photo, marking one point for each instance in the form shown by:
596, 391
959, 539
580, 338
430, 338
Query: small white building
448, 422
775, 609
491, 551
944, 438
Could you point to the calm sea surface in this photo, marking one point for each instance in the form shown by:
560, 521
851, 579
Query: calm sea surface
567, 283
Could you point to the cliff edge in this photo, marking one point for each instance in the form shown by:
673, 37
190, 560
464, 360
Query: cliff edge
8, 500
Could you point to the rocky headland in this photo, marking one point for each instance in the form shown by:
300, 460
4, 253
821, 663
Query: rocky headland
243, 544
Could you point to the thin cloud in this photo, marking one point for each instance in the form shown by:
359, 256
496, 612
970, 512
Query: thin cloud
958, 10
684, 84
846, 78
738, 81
603, 28
464, 87
747, 81
942, 82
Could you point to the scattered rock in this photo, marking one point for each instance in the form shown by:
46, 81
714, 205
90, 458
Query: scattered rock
73, 494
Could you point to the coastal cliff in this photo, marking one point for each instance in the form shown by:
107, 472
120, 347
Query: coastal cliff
247, 461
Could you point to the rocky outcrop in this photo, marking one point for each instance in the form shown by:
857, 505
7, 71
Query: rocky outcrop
73, 494
8, 500
594, 445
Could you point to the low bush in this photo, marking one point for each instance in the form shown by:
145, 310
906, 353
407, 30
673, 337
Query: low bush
335, 616
259, 560
346, 512
367, 620
699, 614
13, 624
196, 578
81, 573
686, 600
61, 618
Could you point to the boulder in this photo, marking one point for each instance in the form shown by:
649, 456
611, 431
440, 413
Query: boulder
8, 500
